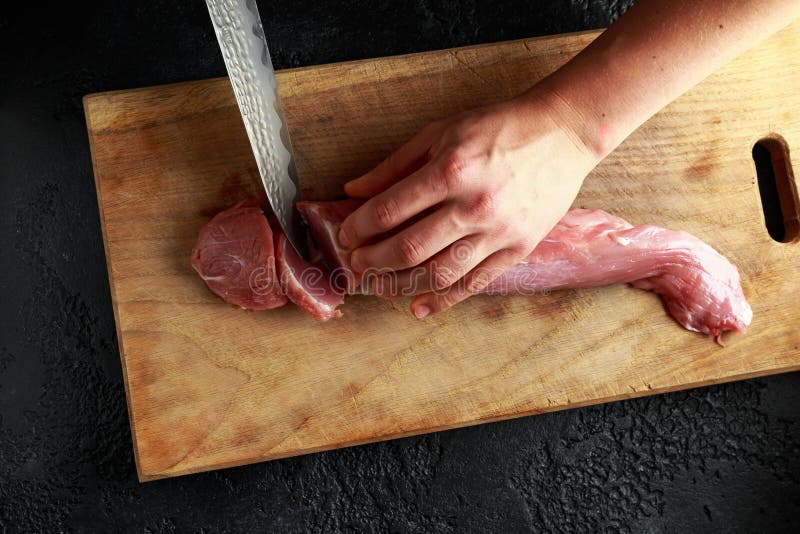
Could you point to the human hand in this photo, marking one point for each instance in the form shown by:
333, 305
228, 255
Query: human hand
464, 200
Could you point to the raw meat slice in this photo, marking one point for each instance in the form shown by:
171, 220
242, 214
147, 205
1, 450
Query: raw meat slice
306, 284
324, 219
235, 257
699, 287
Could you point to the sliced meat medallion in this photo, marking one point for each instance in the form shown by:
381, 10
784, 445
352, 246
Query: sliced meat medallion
235, 257
324, 220
306, 284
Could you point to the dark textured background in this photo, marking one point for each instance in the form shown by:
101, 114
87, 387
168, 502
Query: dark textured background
724, 458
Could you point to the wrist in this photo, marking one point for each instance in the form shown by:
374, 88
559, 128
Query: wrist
593, 133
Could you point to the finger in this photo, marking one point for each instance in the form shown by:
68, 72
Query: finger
474, 282
387, 210
412, 245
402, 162
443, 270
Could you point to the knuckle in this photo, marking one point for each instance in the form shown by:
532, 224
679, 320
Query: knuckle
479, 281
443, 277
410, 251
483, 207
386, 213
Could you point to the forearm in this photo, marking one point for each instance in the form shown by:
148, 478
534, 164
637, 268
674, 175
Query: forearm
654, 53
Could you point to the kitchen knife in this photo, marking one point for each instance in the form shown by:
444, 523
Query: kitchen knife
244, 49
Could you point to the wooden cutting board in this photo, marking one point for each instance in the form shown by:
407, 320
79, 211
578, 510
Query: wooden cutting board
210, 386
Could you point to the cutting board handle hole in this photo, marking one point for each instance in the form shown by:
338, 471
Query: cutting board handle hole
778, 189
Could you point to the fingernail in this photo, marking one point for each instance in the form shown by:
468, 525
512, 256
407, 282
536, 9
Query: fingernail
356, 261
343, 239
422, 311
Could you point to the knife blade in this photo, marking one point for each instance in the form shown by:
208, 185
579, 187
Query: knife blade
244, 49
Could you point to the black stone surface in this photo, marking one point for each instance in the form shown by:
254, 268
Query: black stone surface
721, 459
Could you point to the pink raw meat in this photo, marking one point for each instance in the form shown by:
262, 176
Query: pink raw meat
699, 287
234, 255
324, 219
306, 284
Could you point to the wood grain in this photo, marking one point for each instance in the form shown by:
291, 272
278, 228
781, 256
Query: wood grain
211, 386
